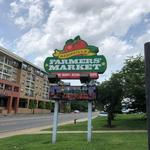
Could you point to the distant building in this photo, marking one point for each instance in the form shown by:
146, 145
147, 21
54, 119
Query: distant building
20, 83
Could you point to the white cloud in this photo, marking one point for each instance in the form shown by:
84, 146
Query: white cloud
15, 8
2, 42
141, 40
33, 42
27, 13
38, 61
115, 51
101, 23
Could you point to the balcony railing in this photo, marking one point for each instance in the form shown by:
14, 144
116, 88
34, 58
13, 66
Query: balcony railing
5, 92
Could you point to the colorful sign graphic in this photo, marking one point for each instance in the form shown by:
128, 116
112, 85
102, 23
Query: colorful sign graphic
76, 56
76, 47
72, 92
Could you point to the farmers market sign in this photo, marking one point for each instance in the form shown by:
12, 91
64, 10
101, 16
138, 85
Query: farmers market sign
76, 56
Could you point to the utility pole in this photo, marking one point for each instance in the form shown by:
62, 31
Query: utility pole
147, 76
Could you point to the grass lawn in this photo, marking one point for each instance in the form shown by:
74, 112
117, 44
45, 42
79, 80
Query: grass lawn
121, 122
103, 141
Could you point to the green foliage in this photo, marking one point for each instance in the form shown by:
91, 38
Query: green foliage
42, 105
110, 94
32, 104
128, 83
79, 105
134, 82
67, 107
48, 105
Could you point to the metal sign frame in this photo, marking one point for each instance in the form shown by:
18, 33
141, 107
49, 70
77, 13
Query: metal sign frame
55, 121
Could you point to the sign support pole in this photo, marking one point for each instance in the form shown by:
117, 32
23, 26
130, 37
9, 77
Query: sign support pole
147, 76
89, 134
55, 122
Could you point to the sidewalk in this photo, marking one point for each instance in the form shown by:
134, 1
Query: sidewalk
96, 131
38, 131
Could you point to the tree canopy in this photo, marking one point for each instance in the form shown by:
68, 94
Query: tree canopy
134, 82
129, 83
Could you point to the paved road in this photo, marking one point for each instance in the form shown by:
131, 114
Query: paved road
20, 122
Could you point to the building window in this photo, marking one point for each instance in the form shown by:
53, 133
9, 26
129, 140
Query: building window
29, 69
7, 70
23, 103
1, 67
29, 92
15, 64
1, 86
2, 59
8, 87
3, 102
8, 61
24, 66
16, 89
6, 77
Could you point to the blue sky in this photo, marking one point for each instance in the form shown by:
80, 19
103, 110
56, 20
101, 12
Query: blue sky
34, 28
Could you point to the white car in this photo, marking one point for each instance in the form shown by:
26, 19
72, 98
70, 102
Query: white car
103, 114
126, 111
76, 111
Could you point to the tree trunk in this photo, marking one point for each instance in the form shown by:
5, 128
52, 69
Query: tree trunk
109, 120
33, 111
112, 116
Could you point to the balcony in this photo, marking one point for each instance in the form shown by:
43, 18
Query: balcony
1, 59
9, 88
7, 71
5, 92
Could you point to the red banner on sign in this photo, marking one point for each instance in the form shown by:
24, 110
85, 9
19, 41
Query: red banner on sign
64, 75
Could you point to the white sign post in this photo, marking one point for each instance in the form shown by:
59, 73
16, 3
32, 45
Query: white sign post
55, 122
89, 134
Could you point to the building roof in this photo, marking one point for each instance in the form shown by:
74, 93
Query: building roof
18, 58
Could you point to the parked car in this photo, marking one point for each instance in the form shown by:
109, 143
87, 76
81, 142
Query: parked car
127, 111
103, 114
76, 111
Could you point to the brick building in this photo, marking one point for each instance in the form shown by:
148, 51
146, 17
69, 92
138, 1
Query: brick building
20, 83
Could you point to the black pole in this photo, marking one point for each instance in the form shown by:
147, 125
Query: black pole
147, 75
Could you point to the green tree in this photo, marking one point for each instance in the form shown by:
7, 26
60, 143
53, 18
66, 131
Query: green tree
42, 105
48, 105
128, 83
109, 96
67, 107
134, 82
79, 105
33, 105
